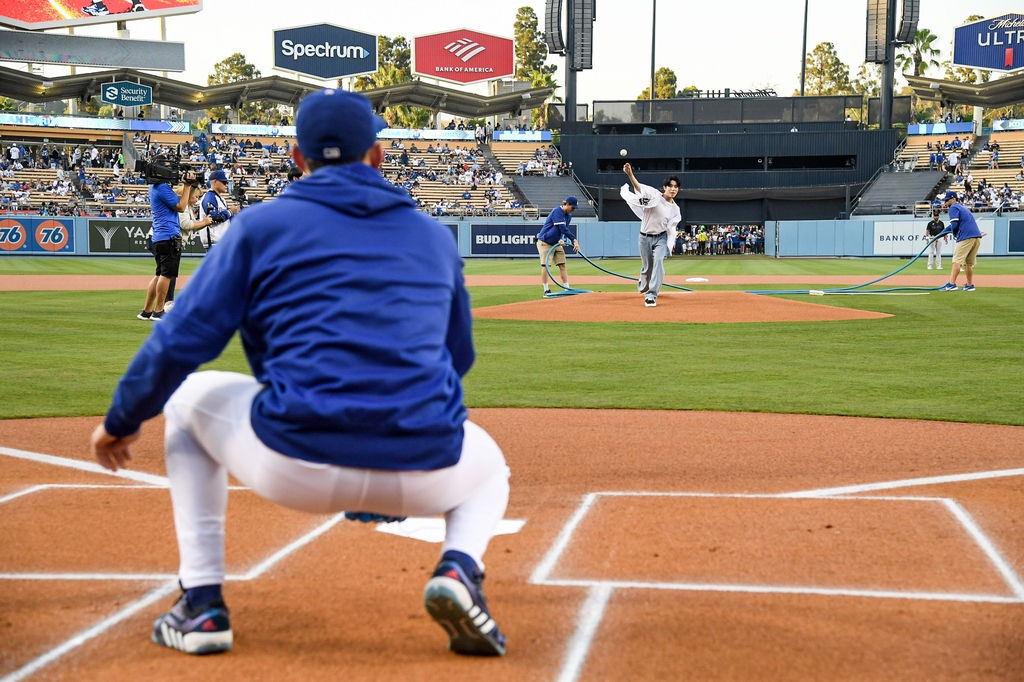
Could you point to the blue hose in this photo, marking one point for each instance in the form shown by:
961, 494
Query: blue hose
840, 290
566, 291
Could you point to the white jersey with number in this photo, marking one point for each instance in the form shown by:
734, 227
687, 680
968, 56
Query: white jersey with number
658, 215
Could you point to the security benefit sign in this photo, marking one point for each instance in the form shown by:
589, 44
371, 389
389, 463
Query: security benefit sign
39, 236
126, 94
995, 44
908, 238
517, 239
325, 51
462, 56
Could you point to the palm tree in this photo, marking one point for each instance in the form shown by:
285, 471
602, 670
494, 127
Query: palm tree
919, 54
539, 79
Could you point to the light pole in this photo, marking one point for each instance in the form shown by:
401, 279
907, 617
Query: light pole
803, 59
654, 35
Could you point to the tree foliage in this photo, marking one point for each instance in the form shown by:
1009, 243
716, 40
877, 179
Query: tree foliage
394, 66
530, 48
8, 104
236, 69
538, 79
917, 57
665, 83
826, 72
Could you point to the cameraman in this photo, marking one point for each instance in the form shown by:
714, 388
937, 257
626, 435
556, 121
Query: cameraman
213, 206
165, 204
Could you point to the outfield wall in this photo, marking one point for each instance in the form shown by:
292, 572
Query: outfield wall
868, 236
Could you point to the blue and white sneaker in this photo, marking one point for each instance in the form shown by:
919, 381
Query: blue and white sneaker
454, 597
968, 287
204, 629
369, 517
948, 286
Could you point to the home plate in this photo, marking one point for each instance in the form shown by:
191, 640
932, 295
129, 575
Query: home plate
432, 529
696, 279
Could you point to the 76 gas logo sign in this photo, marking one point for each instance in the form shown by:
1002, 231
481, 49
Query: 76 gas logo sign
12, 235
52, 235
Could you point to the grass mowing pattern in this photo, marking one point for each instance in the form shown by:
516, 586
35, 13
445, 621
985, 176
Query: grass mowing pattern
951, 356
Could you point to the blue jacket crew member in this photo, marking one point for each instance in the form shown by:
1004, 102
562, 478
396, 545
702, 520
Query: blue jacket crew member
551, 236
165, 204
213, 206
356, 324
968, 239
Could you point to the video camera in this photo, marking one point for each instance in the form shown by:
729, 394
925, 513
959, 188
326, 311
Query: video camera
171, 170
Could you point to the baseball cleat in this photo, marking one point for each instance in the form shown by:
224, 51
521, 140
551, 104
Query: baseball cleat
651, 302
968, 287
948, 286
96, 9
204, 629
456, 601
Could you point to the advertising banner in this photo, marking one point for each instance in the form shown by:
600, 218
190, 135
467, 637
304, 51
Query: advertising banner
49, 48
82, 122
420, 134
907, 238
462, 56
941, 128
35, 15
262, 131
127, 237
1008, 124
126, 94
995, 44
517, 239
39, 236
522, 135
325, 51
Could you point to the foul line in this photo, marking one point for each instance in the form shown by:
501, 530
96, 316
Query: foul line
906, 483
95, 631
91, 467
157, 594
591, 614
540, 574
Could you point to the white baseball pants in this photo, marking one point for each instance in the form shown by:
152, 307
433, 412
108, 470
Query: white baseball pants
209, 434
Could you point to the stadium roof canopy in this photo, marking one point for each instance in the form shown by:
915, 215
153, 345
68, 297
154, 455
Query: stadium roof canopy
29, 87
992, 95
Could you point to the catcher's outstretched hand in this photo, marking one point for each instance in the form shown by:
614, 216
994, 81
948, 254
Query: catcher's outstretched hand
111, 452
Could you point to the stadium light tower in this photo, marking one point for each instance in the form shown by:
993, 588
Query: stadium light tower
654, 38
803, 58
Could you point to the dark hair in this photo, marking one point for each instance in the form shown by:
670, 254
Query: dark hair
313, 164
669, 180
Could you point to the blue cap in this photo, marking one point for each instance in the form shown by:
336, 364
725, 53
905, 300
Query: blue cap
335, 124
948, 196
573, 201
218, 175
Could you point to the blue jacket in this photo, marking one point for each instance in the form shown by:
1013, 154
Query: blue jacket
353, 315
555, 227
962, 223
211, 207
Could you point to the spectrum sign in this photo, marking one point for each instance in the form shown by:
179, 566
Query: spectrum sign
463, 56
325, 51
995, 44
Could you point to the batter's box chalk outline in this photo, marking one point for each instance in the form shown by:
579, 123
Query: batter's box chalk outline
599, 592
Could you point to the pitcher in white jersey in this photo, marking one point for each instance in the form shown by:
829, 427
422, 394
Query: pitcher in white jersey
660, 215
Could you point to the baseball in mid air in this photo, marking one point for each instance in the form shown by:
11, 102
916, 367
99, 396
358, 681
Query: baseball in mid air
622, 152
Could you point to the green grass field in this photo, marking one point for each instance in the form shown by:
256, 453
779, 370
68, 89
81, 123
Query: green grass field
952, 356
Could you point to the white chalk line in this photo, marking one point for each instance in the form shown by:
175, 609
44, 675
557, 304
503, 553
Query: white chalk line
160, 592
588, 623
785, 589
91, 633
591, 614
90, 467
88, 486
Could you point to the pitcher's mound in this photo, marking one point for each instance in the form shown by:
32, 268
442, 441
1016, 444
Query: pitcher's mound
703, 306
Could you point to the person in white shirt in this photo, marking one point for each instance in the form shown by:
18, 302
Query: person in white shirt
660, 215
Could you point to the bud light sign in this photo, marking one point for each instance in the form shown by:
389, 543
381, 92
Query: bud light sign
995, 44
325, 51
